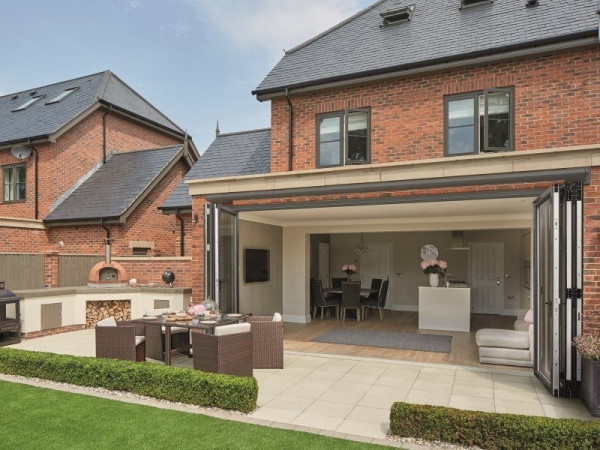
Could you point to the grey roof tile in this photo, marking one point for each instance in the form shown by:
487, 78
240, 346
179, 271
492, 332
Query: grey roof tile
231, 154
437, 30
41, 119
111, 190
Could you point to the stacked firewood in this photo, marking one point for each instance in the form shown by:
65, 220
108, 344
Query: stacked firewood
99, 310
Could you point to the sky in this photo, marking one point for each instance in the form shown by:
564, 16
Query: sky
195, 60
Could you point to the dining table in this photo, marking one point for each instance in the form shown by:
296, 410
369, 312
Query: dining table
364, 292
206, 326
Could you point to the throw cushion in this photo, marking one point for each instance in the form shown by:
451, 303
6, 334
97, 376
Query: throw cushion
529, 316
232, 329
277, 317
139, 339
108, 322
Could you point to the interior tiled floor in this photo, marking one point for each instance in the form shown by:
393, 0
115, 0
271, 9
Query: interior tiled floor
352, 394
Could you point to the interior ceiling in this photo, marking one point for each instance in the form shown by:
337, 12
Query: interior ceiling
474, 209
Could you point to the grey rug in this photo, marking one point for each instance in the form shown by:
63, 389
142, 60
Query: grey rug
388, 339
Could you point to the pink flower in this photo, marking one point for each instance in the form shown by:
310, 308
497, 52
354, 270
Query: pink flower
443, 265
196, 310
424, 265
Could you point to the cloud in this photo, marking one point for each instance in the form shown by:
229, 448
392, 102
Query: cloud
133, 4
274, 25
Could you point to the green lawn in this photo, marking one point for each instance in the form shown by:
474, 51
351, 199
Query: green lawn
33, 418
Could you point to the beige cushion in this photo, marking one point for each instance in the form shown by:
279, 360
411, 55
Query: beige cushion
139, 339
504, 353
158, 312
277, 317
521, 325
490, 337
108, 322
529, 316
232, 329
175, 330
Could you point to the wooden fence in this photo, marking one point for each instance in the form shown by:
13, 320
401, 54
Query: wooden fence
22, 271
73, 270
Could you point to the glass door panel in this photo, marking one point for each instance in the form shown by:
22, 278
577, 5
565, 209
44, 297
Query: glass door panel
226, 264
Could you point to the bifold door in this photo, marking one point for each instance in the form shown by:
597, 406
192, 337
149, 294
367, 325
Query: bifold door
221, 257
557, 287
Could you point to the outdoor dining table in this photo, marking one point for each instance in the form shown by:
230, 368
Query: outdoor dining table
205, 327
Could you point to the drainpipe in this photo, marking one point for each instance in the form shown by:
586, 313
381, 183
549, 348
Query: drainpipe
181, 233
107, 242
36, 158
290, 130
104, 134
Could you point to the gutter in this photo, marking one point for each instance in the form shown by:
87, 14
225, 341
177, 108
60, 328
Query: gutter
290, 131
425, 66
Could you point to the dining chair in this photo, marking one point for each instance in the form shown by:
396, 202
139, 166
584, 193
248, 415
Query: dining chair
375, 284
120, 340
379, 303
336, 283
351, 298
321, 302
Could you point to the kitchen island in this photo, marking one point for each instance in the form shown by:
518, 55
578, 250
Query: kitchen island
446, 309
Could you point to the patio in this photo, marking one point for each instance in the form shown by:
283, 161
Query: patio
353, 395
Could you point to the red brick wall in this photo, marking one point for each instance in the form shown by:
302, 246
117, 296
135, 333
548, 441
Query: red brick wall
591, 254
197, 250
74, 154
148, 271
556, 104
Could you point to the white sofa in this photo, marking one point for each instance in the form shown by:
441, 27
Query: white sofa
507, 347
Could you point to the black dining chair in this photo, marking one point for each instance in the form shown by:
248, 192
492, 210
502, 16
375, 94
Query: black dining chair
379, 303
375, 284
351, 298
336, 283
321, 302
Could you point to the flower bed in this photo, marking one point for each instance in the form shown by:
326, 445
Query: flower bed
152, 380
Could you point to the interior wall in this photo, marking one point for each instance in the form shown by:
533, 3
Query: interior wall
315, 240
263, 298
407, 274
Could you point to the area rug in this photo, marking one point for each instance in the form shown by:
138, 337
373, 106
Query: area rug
388, 339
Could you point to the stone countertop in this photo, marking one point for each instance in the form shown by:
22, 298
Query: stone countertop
48, 292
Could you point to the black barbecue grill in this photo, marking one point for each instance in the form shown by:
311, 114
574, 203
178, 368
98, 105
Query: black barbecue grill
10, 322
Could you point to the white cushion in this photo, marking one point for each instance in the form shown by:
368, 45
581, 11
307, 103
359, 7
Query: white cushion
521, 325
529, 316
139, 339
158, 312
175, 330
277, 317
491, 337
232, 329
108, 322
504, 353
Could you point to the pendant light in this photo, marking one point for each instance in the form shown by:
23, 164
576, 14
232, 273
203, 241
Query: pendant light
361, 249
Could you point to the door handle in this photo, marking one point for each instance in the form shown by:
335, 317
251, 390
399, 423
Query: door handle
498, 281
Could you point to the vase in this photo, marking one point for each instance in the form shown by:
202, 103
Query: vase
434, 279
590, 385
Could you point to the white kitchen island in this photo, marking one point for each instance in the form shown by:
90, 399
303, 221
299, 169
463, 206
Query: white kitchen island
447, 309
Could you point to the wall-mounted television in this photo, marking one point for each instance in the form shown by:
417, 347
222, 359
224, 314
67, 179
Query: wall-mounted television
256, 265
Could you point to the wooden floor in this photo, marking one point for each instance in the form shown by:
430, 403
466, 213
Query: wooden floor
299, 337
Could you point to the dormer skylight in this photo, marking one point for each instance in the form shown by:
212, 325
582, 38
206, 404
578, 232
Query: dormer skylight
467, 3
28, 103
397, 15
62, 95
532, 3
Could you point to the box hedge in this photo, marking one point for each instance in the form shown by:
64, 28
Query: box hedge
492, 430
153, 380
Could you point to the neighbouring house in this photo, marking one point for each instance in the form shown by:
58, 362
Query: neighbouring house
84, 160
466, 129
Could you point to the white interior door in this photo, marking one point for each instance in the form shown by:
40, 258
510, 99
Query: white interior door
486, 267
324, 264
376, 264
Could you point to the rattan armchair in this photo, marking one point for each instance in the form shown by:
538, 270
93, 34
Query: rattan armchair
125, 341
268, 342
155, 338
228, 354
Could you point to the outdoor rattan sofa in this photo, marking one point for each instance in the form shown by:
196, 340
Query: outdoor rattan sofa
228, 351
120, 340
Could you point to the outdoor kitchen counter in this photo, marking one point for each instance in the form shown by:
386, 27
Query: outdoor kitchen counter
446, 309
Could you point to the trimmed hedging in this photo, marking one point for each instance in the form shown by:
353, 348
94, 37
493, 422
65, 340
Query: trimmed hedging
492, 430
153, 380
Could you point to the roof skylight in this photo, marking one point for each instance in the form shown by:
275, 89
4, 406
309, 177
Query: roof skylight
467, 3
28, 103
397, 15
62, 95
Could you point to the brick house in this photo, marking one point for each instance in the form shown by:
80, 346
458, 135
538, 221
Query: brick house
462, 125
82, 158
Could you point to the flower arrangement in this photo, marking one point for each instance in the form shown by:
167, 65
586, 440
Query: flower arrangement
349, 269
434, 266
588, 346
196, 310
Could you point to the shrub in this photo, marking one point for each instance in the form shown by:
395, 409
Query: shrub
152, 380
492, 430
588, 346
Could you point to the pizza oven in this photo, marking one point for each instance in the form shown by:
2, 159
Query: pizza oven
107, 272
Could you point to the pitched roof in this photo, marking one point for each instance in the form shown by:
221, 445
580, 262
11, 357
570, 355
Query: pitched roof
437, 31
41, 120
231, 154
115, 187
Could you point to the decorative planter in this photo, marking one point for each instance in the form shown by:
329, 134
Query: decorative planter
434, 279
590, 385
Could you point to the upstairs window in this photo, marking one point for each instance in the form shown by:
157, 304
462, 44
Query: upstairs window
397, 15
28, 103
343, 138
479, 122
467, 3
14, 183
62, 95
